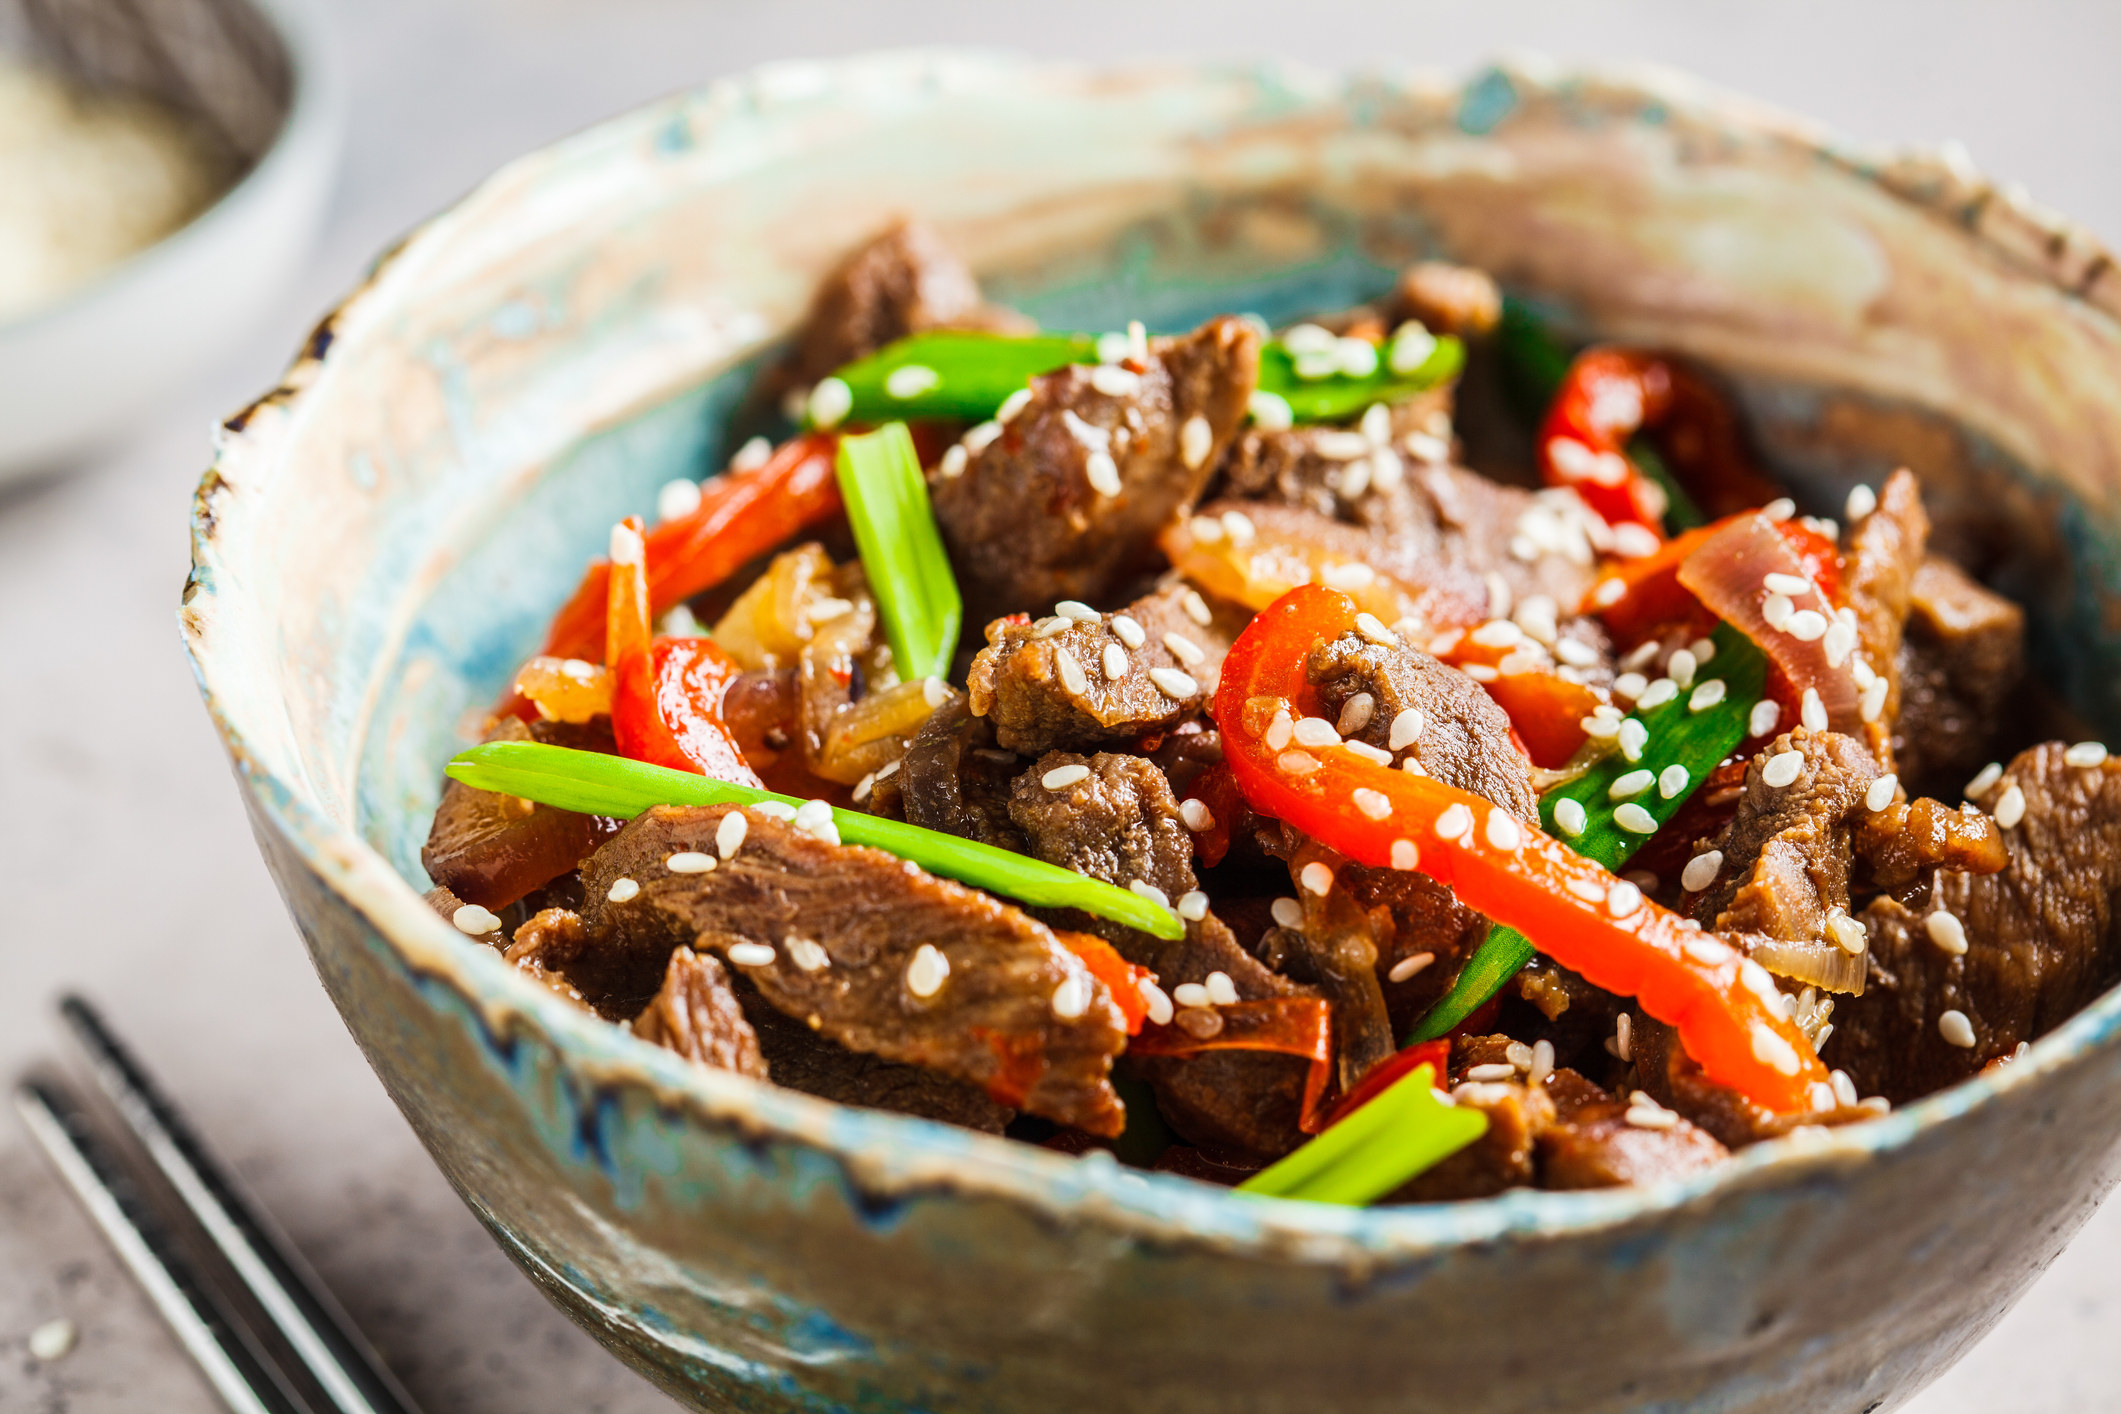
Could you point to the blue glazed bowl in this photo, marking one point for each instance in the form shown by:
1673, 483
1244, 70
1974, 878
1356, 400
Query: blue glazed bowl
381, 539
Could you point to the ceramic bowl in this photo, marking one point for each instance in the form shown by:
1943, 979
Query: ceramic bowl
381, 539
78, 372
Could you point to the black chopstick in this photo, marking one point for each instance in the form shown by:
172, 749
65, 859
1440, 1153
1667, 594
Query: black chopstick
344, 1367
62, 1128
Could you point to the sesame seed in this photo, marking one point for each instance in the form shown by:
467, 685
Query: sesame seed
1206, 529
1316, 731
1844, 1088
1956, 1030
1355, 714
1144, 889
1575, 652
1195, 438
1634, 736
1848, 933
814, 818
1408, 966
1114, 661
1271, 412
1307, 339
755, 453
1288, 913
955, 459
1280, 731
1193, 905
1611, 592
1494, 1070
1375, 804
2085, 754
751, 954
1622, 1037
887, 770
981, 437
1778, 611
1072, 997
1708, 952
1497, 633
1657, 694
1127, 631
1840, 641
1051, 627
1861, 502
729, 835
1634, 542
623, 890
1155, 999
1806, 626
1782, 769
1879, 793
1701, 871
1405, 856
1672, 780
927, 972
1061, 777
1406, 726
1503, 832
677, 499
1983, 783
829, 402
1443, 643
1184, 649
1781, 508
775, 810
2011, 808
1071, 672
1195, 814
1586, 890
1455, 821
1707, 695
1116, 382
1174, 684
1632, 784
935, 692
1196, 608
1541, 1064
1947, 932
1642, 1117
1569, 816
1765, 714
1622, 899
1102, 473
1190, 994
1769, 1048
475, 920
1635, 820
1015, 403
1316, 877
1794, 585
806, 953
1872, 706
1820, 1093
1370, 628
1600, 727
910, 380
1238, 526
1221, 990
689, 861
1681, 667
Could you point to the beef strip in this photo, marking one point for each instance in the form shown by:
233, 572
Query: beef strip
1020, 684
1960, 663
802, 1059
1024, 523
492, 849
1465, 737
843, 924
902, 282
1883, 551
1596, 1147
1447, 298
1121, 824
698, 1016
1424, 917
1676, 1080
1501, 1158
2041, 939
956, 780
549, 943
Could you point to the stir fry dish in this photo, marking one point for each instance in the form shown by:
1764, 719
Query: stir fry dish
1167, 745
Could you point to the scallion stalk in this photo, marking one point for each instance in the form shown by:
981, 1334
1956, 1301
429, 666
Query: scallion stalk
902, 550
598, 784
1390, 1140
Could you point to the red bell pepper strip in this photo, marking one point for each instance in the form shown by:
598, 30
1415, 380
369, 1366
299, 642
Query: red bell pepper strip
1611, 394
666, 709
1216, 790
1380, 1077
741, 516
1121, 977
1296, 1026
1728, 1016
628, 624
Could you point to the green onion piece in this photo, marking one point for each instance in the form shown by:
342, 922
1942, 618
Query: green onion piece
1390, 1140
598, 784
1680, 511
902, 551
966, 376
1678, 736
1533, 360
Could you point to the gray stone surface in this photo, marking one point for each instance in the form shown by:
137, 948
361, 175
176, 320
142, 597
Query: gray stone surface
124, 856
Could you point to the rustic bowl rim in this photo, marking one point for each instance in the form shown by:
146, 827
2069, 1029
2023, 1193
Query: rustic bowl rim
914, 1156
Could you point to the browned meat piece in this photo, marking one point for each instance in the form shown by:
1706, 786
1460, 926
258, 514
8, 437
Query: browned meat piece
1345, 473
1676, 1081
442, 901
1885, 549
549, 943
1577, 1017
1786, 853
1499, 1159
1066, 502
904, 281
956, 780
1120, 823
1960, 662
698, 1016
492, 849
1905, 840
801, 1059
831, 934
1597, 1147
1337, 948
1167, 656
1449, 299
2040, 939
1461, 736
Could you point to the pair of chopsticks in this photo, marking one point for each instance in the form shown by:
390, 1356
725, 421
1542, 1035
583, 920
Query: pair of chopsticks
242, 1302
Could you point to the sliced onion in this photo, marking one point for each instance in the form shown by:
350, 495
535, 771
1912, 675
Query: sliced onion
1819, 962
1728, 574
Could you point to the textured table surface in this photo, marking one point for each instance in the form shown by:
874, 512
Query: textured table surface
124, 858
